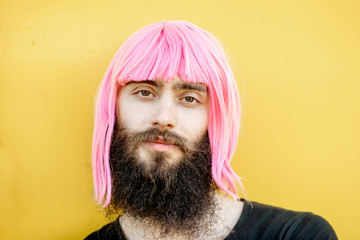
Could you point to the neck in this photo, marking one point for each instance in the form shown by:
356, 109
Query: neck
216, 226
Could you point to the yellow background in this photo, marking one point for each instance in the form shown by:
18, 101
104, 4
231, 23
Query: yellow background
297, 63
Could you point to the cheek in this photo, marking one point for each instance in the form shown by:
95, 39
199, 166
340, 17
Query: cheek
132, 116
194, 125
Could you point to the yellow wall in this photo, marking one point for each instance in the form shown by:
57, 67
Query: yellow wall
299, 62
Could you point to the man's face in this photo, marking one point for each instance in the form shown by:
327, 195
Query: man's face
177, 107
160, 154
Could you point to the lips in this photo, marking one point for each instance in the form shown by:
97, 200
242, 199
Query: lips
160, 145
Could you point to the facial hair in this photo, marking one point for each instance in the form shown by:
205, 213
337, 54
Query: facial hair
175, 197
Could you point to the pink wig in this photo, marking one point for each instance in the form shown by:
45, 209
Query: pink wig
162, 51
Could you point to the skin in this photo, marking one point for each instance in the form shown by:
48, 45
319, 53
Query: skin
176, 106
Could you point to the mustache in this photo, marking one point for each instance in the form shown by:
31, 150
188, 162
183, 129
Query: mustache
154, 134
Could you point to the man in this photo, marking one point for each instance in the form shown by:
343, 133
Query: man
166, 127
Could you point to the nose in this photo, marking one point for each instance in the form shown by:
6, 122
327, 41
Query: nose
164, 116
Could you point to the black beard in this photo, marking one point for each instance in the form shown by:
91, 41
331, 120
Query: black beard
175, 197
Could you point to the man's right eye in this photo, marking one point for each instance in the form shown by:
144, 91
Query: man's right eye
144, 93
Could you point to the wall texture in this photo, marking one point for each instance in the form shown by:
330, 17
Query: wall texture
297, 65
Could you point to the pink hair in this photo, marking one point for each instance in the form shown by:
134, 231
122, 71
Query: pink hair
162, 51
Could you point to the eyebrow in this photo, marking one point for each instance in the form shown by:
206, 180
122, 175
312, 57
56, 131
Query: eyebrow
150, 82
181, 85
191, 86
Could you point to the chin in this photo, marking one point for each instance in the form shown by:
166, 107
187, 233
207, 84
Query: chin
153, 160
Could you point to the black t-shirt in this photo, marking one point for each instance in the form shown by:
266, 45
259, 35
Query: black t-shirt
258, 221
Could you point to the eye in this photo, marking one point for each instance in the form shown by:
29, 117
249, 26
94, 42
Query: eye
189, 99
144, 93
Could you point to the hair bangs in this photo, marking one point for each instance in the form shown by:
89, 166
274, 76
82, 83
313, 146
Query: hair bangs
164, 51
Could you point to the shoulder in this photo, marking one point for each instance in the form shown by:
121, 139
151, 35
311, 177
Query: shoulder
109, 232
314, 227
260, 221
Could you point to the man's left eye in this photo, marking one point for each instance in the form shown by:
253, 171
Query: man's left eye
189, 99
